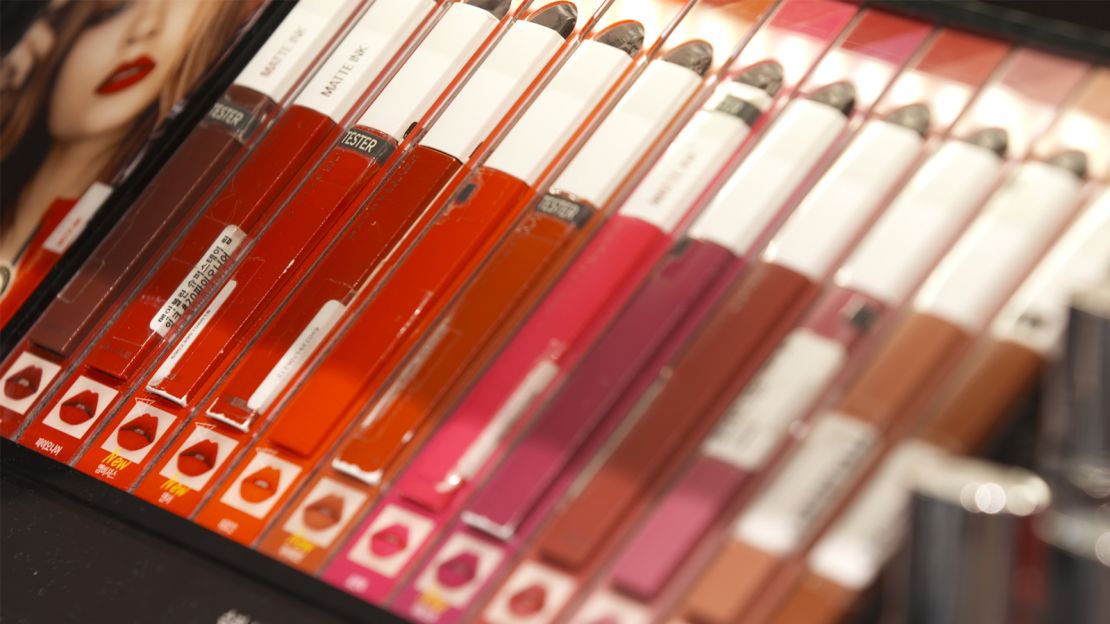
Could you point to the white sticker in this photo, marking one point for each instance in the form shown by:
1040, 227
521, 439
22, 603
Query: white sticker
260, 485
456, 573
758, 421
534, 594
219, 252
814, 478
135, 436
608, 607
324, 512
186, 342
80, 407
390, 541
25, 381
75, 220
859, 543
296, 355
198, 458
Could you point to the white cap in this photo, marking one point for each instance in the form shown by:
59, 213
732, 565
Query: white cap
844, 199
627, 132
756, 191
919, 224
1037, 314
290, 49
354, 64
501, 78
1014, 227
696, 155
429, 69
558, 110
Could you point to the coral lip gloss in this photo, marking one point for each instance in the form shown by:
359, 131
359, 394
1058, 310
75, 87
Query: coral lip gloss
126, 74
285, 345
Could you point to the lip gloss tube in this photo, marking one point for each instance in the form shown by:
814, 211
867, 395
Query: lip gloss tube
851, 553
872, 283
521, 264
452, 241
318, 203
280, 351
236, 121
300, 432
957, 300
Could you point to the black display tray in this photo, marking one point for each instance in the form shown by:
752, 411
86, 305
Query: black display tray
73, 549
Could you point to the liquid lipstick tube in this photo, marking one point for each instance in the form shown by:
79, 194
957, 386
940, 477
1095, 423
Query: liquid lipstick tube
872, 283
453, 240
321, 200
282, 349
849, 556
299, 225
256, 96
957, 300
519, 267
301, 433
461, 448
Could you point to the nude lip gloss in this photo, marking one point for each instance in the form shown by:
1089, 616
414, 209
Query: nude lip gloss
595, 285
454, 239
235, 121
320, 201
287, 343
517, 267
849, 556
951, 307
874, 280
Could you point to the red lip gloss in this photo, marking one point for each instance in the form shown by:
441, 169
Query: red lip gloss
264, 85
306, 317
517, 271
127, 74
457, 234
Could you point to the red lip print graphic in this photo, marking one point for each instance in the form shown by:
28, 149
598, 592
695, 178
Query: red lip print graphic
126, 74
24, 383
139, 433
458, 570
260, 485
79, 408
324, 513
390, 540
528, 601
198, 458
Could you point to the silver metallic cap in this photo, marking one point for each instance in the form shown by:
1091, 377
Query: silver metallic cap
765, 75
696, 55
560, 17
913, 116
1074, 161
995, 139
839, 95
499, 8
627, 37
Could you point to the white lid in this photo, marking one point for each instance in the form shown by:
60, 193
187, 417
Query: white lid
623, 136
501, 78
1037, 314
691, 161
768, 175
294, 44
1016, 224
558, 110
343, 79
432, 65
919, 224
844, 199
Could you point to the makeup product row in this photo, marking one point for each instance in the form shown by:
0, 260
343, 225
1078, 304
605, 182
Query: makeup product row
619, 311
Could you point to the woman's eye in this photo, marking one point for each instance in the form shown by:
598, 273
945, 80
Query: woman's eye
109, 10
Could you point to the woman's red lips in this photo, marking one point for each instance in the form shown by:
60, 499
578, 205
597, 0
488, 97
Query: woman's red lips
458, 570
528, 601
324, 513
390, 540
139, 433
260, 485
126, 74
79, 408
24, 383
198, 458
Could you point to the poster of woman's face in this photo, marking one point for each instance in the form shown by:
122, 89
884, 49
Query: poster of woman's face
84, 89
